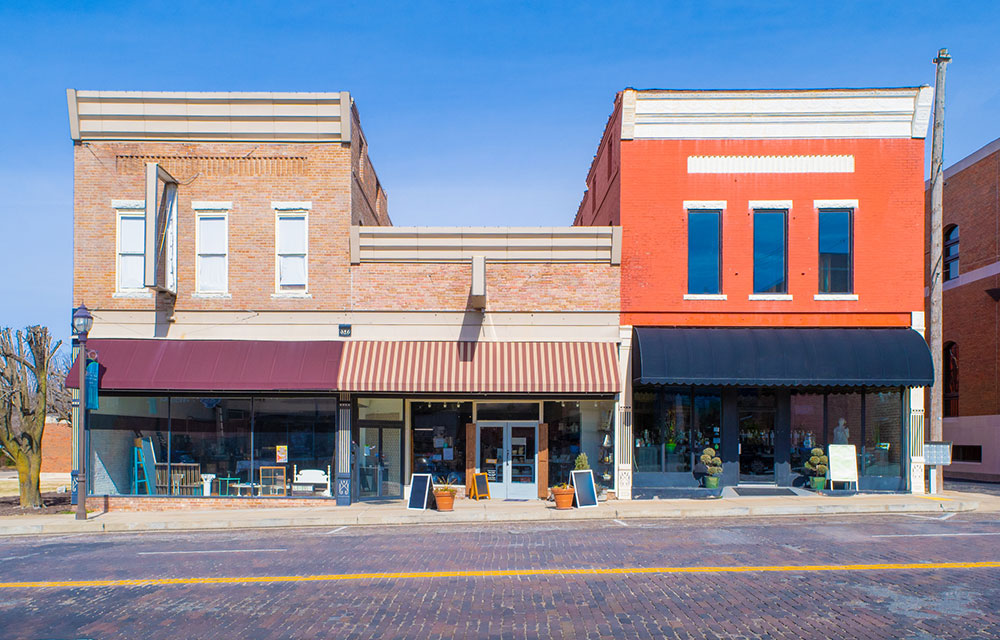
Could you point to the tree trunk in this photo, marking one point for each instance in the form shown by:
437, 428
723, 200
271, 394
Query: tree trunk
29, 467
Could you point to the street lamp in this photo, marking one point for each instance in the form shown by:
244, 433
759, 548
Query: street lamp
82, 323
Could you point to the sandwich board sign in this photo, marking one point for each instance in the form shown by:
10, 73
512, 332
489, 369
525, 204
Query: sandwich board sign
843, 463
480, 487
586, 491
420, 491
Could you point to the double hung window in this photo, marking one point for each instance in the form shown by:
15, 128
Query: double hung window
951, 253
213, 252
704, 252
770, 263
836, 251
292, 252
131, 250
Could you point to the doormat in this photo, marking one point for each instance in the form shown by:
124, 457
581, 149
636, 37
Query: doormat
516, 500
763, 491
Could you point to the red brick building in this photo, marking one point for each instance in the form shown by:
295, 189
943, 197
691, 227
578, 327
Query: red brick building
762, 230
261, 328
971, 335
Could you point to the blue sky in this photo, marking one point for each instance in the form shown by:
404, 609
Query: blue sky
475, 112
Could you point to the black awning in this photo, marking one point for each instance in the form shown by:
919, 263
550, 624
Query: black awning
781, 357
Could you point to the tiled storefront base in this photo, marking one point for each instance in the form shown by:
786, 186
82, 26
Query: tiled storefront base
167, 503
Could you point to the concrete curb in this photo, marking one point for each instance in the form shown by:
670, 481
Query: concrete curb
347, 517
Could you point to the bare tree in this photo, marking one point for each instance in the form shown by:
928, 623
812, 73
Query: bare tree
26, 371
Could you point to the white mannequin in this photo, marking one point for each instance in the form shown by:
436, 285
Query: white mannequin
841, 434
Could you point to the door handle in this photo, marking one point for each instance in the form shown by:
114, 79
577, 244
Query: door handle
739, 448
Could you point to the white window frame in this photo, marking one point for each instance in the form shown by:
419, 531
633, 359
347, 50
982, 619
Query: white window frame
298, 209
210, 210
127, 209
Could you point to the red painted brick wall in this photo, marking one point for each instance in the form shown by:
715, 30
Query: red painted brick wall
601, 203
888, 182
57, 447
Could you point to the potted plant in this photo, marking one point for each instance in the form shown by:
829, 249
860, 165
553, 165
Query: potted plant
563, 493
582, 463
817, 464
671, 436
713, 468
444, 494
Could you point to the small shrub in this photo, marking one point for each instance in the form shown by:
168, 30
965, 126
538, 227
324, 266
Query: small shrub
817, 463
582, 464
713, 464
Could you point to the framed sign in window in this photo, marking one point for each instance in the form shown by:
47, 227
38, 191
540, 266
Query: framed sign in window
420, 491
586, 490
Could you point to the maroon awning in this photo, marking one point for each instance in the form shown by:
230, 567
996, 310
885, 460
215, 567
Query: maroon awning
214, 365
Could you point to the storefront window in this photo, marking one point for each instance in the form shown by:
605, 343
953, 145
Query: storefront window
843, 412
380, 409
293, 435
210, 447
757, 417
807, 429
883, 433
439, 438
577, 427
129, 446
707, 422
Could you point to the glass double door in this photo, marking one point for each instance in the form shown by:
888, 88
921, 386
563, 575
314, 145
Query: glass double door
379, 461
507, 452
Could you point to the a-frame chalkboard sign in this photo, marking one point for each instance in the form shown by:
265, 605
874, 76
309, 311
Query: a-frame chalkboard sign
480, 489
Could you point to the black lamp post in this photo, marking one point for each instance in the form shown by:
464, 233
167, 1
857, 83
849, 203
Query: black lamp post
82, 323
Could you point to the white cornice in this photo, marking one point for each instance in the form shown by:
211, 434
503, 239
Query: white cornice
822, 113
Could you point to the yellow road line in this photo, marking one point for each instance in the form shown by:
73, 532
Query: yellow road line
147, 582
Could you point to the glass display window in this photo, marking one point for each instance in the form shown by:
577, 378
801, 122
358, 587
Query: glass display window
439, 439
580, 426
883, 450
129, 446
211, 446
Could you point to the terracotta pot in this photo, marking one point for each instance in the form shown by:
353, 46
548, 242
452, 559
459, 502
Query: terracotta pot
564, 497
445, 500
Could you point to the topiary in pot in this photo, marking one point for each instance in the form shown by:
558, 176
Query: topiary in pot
713, 467
817, 465
582, 464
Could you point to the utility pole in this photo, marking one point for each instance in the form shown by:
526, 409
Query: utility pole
937, 264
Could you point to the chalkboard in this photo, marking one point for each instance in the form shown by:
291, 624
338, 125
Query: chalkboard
586, 491
420, 491
480, 486
843, 463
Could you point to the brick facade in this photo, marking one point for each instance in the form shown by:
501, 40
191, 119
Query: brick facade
57, 447
971, 315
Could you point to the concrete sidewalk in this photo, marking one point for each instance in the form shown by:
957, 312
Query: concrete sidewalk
467, 511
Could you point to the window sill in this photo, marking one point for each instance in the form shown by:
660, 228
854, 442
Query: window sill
292, 295
223, 296
835, 296
770, 296
704, 296
136, 295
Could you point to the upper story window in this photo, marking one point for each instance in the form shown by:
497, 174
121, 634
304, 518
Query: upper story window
836, 244
950, 379
704, 252
292, 250
131, 255
770, 263
212, 270
951, 253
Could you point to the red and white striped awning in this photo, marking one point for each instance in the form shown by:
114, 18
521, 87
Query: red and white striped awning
480, 367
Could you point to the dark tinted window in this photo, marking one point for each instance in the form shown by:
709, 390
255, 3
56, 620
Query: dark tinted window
967, 453
951, 253
769, 252
835, 251
703, 252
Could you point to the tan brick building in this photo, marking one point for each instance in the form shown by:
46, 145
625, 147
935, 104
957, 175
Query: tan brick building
237, 254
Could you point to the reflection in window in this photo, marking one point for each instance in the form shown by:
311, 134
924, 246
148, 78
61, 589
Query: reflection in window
210, 441
807, 428
951, 253
883, 433
129, 446
704, 252
835, 251
439, 438
577, 427
950, 379
769, 269
673, 426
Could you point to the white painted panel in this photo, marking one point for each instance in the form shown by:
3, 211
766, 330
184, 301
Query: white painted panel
771, 164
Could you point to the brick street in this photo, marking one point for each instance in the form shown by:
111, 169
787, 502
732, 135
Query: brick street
861, 603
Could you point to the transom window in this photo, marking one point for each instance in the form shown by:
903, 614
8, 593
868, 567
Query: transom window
951, 253
836, 251
770, 264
